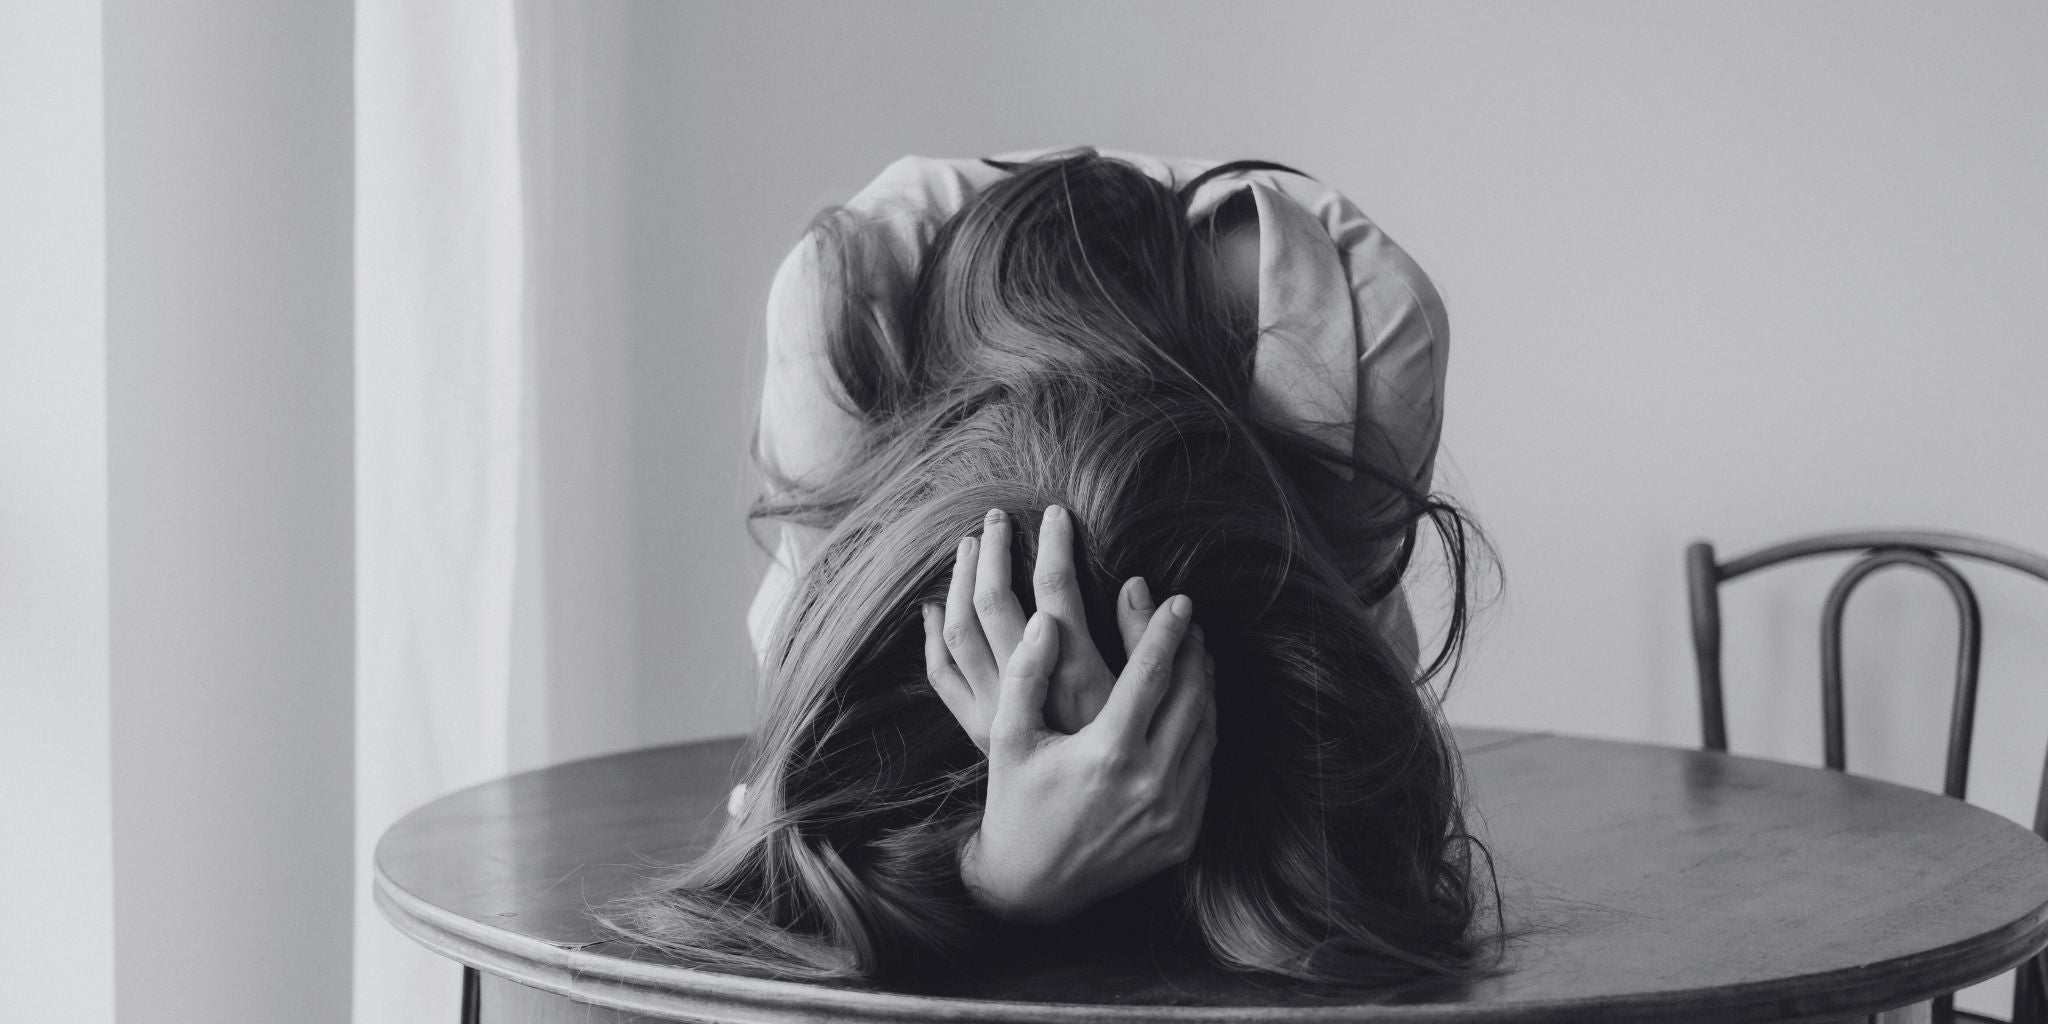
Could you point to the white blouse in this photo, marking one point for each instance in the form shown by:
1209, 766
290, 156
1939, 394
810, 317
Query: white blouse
1353, 337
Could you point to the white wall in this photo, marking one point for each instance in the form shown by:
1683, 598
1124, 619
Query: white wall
57, 952
1727, 271
228, 206
1735, 271
175, 532
1731, 272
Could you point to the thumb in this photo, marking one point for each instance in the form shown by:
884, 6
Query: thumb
1020, 705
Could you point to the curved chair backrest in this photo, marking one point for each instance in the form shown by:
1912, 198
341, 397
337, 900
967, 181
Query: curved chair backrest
1926, 550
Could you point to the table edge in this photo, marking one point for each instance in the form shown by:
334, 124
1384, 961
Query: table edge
652, 988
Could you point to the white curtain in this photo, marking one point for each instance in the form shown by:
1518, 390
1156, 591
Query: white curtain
494, 525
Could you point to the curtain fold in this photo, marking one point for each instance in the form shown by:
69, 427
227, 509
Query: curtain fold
442, 405
495, 525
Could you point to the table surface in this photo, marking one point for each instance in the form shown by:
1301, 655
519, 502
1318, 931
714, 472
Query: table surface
1641, 883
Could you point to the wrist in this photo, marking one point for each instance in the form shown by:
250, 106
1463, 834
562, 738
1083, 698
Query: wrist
990, 891
974, 876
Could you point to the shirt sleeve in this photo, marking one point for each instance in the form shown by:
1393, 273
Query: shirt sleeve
1395, 334
803, 425
1402, 334
1404, 340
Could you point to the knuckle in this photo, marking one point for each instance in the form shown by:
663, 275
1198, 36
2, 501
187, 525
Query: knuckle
1147, 791
1052, 579
956, 635
1110, 759
1148, 671
989, 601
1165, 830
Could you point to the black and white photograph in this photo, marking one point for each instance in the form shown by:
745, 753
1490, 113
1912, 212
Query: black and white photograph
778, 511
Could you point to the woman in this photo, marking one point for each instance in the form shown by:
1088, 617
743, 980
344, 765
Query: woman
1076, 375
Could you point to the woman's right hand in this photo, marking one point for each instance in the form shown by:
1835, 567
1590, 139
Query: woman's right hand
1073, 818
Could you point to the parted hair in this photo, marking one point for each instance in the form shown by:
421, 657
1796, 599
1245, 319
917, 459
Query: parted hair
1062, 344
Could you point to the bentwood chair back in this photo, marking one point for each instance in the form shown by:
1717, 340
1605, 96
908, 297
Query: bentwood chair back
1933, 553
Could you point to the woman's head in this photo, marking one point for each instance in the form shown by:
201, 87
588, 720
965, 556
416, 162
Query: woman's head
1062, 346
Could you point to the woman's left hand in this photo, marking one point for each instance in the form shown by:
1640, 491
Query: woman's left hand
969, 642
1071, 819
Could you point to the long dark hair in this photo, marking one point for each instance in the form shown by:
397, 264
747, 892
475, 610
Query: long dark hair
1060, 345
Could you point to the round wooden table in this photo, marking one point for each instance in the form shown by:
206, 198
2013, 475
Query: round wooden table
1642, 883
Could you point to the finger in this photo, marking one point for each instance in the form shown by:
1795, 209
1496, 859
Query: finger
1180, 715
963, 628
1002, 618
1053, 581
1196, 798
1134, 609
1200, 752
1194, 771
938, 668
1020, 708
1145, 679
1189, 793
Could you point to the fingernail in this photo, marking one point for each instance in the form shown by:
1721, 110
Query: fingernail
1054, 512
995, 517
1178, 605
1139, 595
966, 546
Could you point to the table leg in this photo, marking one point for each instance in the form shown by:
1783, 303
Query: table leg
472, 1009
1918, 1013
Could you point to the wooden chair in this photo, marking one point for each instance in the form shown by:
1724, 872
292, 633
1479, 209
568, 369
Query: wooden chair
1925, 550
